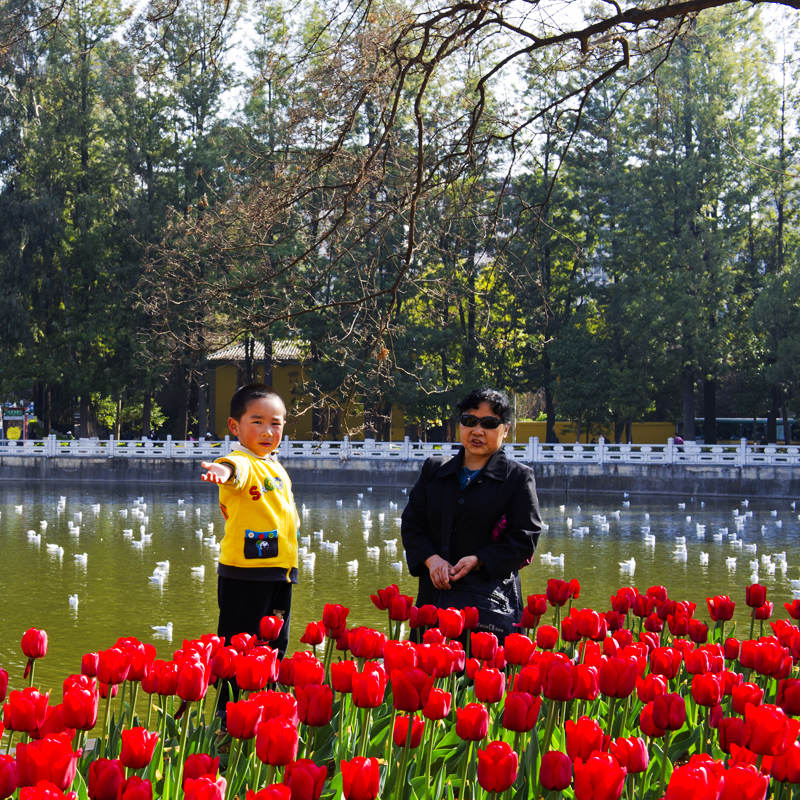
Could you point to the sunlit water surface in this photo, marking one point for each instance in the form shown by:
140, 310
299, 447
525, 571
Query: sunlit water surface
117, 594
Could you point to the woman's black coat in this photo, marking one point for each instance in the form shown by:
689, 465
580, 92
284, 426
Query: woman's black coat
443, 519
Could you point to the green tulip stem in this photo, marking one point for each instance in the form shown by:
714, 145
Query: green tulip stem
612, 701
664, 760
388, 750
182, 747
236, 746
149, 711
10, 740
134, 700
431, 733
400, 781
340, 737
32, 662
463, 784
362, 747
122, 705
107, 723
270, 776
752, 621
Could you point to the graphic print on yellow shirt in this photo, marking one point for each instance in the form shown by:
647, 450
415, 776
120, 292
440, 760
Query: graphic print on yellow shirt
261, 520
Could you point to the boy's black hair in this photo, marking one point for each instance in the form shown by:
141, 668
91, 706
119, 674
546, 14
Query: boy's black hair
498, 402
252, 391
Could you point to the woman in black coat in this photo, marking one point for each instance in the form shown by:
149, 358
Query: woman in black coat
472, 521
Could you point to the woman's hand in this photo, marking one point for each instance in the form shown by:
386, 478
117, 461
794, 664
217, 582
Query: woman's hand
463, 567
440, 571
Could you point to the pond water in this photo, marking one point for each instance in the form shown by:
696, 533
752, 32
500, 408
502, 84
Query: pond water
45, 530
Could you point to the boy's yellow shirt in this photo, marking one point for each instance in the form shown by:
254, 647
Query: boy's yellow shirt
261, 520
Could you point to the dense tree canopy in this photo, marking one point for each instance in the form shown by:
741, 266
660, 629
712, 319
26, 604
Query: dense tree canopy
595, 206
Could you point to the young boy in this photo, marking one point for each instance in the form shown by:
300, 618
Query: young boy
258, 554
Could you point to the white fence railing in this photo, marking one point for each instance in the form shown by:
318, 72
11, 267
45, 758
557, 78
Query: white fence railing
533, 451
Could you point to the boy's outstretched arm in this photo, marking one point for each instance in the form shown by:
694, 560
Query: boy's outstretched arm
215, 473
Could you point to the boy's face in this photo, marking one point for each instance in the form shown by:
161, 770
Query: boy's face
260, 428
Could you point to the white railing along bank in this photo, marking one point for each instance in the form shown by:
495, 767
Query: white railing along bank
533, 451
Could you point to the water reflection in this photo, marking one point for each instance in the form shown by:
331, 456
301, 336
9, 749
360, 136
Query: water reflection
106, 561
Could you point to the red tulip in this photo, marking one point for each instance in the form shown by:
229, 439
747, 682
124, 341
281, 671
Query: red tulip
700, 777
254, 672
789, 696
546, 637
746, 694
555, 771
400, 732
437, 704
382, 599
277, 741
583, 738
744, 782
305, 779
106, 776
622, 601
642, 605
731, 730
49, 759
769, 730
521, 711
698, 631
314, 704
763, 611
138, 745
34, 643
720, 607
518, 649
706, 689
756, 595
786, 767
53, 723
558, 681
342, 675
205, 787
558, 591
135, 788
198, 765
793, 608
45, 790
276, 704
275, 791
112, 665
665, 661
307, 669
269, 628
669, 711
490, 685
409, 688
600, 777
25, 710
369, 686
631, 753
426, 616
651, 685
657, 593
400, 607
9, 780
3, 684
585, 682
497, 766
617, 677
528, 620
334, 618
242, 718
731, 647
472, 722
451, 622
313, 634
399, 655
366, 643
589, 624
80, 706
484, 645
647, 722
361, 778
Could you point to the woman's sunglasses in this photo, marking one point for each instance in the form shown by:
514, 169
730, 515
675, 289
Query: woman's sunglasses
487, 423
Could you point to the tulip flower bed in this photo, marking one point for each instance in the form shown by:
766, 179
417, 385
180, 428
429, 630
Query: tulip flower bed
643, 700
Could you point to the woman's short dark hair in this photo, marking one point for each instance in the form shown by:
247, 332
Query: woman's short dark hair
498, 402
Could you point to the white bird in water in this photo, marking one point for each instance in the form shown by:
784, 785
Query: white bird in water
730, 562
43, 524
73, 601
628, 567
181, 512
163, 631
181, 501
55, 550
199, 572
374, 553
305, 541
19, 509
35, 538
352, 566
339, 503
396, 565
163, 566
123, 512
95, 508
82, 559
703, 559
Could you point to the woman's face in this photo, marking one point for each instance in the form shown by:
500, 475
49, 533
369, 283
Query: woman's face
479, 443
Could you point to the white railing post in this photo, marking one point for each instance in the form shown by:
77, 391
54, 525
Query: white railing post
345, 448
51, 446
741, 453
284, 446
168, 448
406, 448
601, 449
537, 449
529, 449
670, 451
110, 452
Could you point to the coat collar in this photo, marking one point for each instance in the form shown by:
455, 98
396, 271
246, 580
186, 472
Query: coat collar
496, 467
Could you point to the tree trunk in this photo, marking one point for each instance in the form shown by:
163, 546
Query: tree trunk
118, 418
772, 417
687, 400
147, 408
710, 410
787, 428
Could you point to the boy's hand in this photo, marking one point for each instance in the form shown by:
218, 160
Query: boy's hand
215, 473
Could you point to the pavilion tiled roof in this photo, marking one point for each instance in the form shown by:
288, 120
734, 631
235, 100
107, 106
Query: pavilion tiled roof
283, 350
